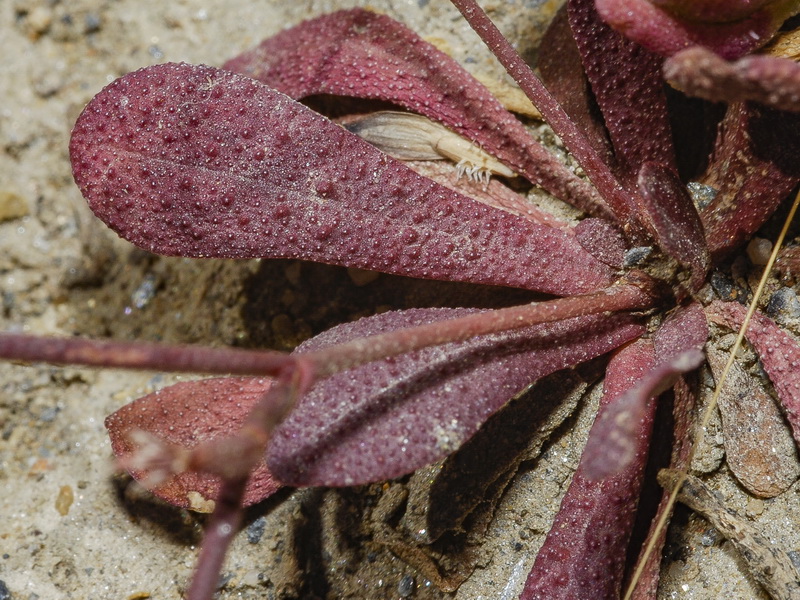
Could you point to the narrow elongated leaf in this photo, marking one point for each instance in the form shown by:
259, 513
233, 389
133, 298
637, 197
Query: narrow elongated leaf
712, 10
390, 417
584, 553
755, 164
678, 344
626, 82
685, 330
684, 420
666, 33
769, 80
562, 72
186, 414
677, 224
365, 55
196, 161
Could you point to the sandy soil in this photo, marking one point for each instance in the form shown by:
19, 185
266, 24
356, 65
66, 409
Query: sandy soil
69, 528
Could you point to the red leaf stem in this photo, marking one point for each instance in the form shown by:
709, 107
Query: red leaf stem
344, 356
143, 355
219, 534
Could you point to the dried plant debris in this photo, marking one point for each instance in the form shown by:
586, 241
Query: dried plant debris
758, 442
768, 564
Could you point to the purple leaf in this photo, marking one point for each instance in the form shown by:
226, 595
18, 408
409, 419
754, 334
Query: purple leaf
365, 55
684, 419
602, 240
778, 351
754, 166
390, 417
666, 33
769, 80
619, 200
493, 194
562, 72
678, 350
584, 553
679, 231
712, 10
195, 161
615, 444
186, 414
627, 84
684, 330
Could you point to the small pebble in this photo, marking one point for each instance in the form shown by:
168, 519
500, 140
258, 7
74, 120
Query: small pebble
702, 195
12, 206
64, 500
709, 537
406, 586
92, 23
256, 529
636, 255
39, 19
794, 556
784, 306
5, 593
252, 578
723, 286
755, 508
758, 251
144, 293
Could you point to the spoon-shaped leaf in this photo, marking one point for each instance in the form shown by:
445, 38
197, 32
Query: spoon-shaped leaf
361, 54
389, 417
196, 161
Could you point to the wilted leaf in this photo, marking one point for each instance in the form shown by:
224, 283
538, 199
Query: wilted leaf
186, 414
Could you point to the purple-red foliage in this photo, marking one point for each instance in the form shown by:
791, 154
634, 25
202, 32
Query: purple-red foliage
196, 161
428, 403
187, 414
